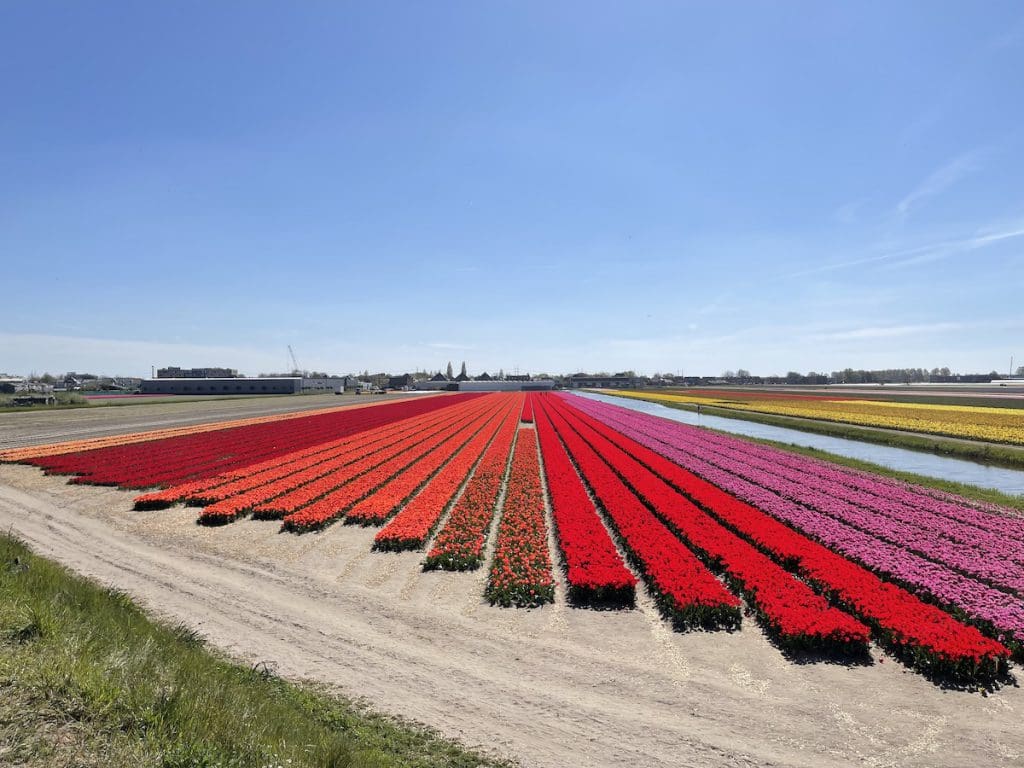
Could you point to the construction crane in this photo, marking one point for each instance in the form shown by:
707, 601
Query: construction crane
296, 371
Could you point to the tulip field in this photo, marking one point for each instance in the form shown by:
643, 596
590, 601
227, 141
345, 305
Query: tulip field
558, 497
991, 424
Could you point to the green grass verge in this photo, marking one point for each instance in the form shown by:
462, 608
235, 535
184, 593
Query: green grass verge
87, 679
65, 400
984, 453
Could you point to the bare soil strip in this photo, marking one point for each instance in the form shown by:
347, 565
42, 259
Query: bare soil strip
552, 687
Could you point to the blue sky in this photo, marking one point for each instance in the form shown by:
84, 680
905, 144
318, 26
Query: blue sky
550, 186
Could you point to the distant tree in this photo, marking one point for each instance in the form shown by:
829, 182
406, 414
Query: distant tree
944, 371
47, 378
792, 377
728, 374
448, 371
1019, 371
743, 373
462, 371
501, 374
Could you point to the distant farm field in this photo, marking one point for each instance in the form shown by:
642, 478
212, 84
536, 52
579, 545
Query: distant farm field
1003, 424
692, 574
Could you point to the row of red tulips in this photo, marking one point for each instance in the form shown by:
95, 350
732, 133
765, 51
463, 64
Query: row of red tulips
460, 544
520, 572
921, 634
686, 592
179, 459
594, 571
793, 615
527, 414
411, 527
303, 513
443, 468
272, 500
327, 457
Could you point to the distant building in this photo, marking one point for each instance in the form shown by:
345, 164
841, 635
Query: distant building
11, 384
268, 385
585, 380
173, 372
398, 382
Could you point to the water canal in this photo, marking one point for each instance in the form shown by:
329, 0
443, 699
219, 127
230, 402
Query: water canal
1002, 479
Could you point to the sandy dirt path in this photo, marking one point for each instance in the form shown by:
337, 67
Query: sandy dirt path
553, 687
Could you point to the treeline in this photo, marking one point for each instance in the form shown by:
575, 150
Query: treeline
851, 376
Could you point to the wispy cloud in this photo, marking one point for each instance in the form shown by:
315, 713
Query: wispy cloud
938, 181
887, 332
923, 253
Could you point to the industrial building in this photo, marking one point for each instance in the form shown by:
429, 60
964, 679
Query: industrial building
276, 385
174, 372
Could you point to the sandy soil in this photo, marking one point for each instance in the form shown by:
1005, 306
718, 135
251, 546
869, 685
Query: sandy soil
40, 427
552, 687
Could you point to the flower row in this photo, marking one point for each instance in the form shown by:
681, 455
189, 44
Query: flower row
314, 479
686, 592
1002, 425
411, 527
460, 544
302, 511
594, 570
794, 616
520, 572
527, 414
920, 633
327, 457
992, 609
194, 456
959, 519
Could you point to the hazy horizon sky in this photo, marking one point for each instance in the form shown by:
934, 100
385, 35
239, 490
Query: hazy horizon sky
556, 187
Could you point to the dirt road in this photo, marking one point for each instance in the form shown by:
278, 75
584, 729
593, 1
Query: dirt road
553, 687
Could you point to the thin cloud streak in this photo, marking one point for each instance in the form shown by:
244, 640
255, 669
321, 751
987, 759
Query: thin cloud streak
929, 252
887, 332
939, 181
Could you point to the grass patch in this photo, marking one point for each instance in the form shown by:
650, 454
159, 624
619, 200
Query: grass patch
87, 679
65, 400
983, 453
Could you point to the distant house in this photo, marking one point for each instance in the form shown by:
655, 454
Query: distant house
398, 382
484, 377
